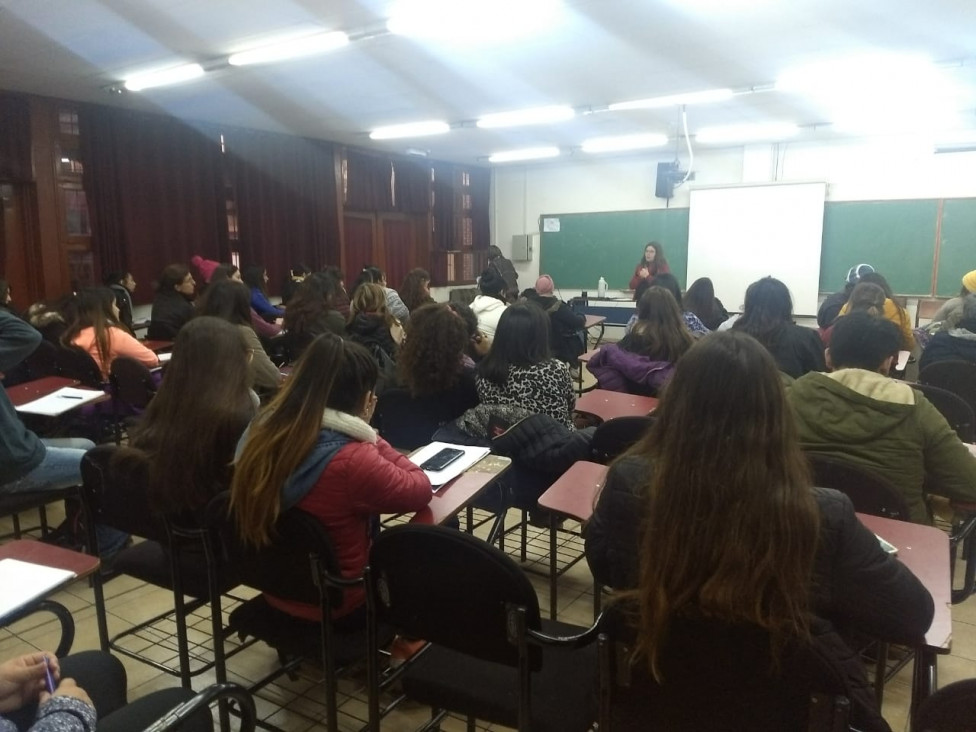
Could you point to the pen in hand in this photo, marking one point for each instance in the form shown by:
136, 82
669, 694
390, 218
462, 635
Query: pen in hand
48, 678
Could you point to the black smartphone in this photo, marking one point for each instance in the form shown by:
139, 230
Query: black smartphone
442, 459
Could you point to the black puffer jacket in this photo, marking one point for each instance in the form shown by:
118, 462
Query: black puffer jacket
857, 587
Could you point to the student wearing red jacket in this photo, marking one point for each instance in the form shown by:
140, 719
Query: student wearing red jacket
313, 448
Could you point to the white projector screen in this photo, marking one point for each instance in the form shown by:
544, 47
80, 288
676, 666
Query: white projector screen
740, 234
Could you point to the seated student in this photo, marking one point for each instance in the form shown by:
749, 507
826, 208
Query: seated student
262, 327
28, 463
519, 369
229, 301
313, 448
187, 442
296, 275
670, 283
951, 310
90, 686
311, 312
642, 362
6, 295
856, 413
171, 308
256, 278
700, 301
122, 285
205, 268
713, 513
892, 310
490, 303
955, 344
830, 307
415, 290
94, 327
371, 324
376, 276
652, 263
341, 296
566, 336
866, 297
768, 317
503, 267
478, 343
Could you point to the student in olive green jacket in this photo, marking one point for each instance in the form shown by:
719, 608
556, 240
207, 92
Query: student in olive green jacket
857, 413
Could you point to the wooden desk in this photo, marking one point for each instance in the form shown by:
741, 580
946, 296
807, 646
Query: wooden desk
925, 551
609, 404
157, 346
30, 390
593, 321
573, 495
461, 491
37, 552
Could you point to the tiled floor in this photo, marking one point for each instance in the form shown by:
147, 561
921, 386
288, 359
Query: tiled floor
294, 705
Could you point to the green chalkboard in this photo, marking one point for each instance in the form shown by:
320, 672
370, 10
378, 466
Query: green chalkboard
609, 244
905, 240
957, 255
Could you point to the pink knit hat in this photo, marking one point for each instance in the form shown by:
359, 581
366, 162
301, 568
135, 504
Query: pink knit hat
205, 266
544, 285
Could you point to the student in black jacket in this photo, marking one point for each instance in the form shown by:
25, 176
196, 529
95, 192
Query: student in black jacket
566, 336
172, 308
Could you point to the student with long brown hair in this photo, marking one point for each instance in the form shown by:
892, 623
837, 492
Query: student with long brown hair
312, 448
713, 515
700, 300
415, 290
189, 431
93, 326
311, 312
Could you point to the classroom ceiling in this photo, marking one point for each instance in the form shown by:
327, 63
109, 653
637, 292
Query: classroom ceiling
591, 54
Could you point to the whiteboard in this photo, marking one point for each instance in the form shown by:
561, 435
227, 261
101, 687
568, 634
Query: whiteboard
740, 234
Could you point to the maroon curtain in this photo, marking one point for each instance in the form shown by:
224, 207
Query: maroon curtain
398, 248
155, 191
445, 226
15, 139
412, 186
358, 231
286, 200
369, 182
480, 189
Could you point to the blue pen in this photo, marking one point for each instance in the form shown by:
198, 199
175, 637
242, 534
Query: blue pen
48, 678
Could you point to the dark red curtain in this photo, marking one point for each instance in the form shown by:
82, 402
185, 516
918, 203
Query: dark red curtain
286, 200
445, 225
369, 182
15, 139
358, 231
155, 191
480, 189
398, 247
412, 186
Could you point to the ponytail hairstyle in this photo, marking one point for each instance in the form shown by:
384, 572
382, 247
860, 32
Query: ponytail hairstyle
331, 374
868, 298
91, 308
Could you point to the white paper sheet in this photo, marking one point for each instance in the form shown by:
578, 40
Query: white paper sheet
24, 582
902, 360
164, 357
60, 401
440, 477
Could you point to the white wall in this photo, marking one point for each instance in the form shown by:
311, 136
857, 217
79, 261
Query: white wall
887, 168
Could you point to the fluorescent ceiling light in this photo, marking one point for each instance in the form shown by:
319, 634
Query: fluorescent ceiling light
290, 48
474, 21
719, 5
529, 153
535, 116
746, 133
624, 142
410, 129
173, 75
708, 96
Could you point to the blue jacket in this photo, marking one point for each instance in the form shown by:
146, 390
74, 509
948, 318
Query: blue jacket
263, 307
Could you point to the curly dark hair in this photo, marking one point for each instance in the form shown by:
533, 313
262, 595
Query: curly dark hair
429, 361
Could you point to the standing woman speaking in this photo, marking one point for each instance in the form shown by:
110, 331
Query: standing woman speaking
651, 264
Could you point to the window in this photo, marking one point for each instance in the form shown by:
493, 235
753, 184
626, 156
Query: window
76, 221
68, 122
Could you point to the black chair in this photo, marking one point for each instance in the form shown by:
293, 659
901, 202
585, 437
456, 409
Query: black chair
718, 677
75, 363
299, 565
950, 709
868, 492
132, 390
61, 614
613, 437
170, 558
491, 656
954, 408
43, 361
14, 504
959, 377
225, 692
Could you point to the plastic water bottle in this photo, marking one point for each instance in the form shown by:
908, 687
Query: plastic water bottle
601, 288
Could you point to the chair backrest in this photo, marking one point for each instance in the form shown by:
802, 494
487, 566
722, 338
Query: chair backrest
717, 676
954, 408
281, 568
408, 423
43, 361
75, 363
950, 709
614, 436
959, 377
158, 331
132, 382
119, 498
868, 492
452, 589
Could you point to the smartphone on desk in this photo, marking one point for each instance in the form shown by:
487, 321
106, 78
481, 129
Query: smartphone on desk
441, 459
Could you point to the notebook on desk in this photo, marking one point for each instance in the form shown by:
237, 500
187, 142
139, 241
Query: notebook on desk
25, 582
61, 401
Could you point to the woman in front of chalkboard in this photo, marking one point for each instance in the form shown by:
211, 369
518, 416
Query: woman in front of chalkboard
768, 317
651, 264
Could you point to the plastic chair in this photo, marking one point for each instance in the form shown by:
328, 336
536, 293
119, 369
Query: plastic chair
236, 693
132, 390
43, 361
950, 709
954, 408
868, 492
959, 377
74, 363
616, 435
14, 504
718, 677
491, 656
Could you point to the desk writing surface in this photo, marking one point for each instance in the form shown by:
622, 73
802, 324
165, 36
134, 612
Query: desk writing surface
609, 404
20, 394
574, 492
462, 490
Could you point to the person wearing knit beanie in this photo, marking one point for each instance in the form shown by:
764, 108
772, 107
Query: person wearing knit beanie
205, 267
951, 313
544, 285
969, 281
